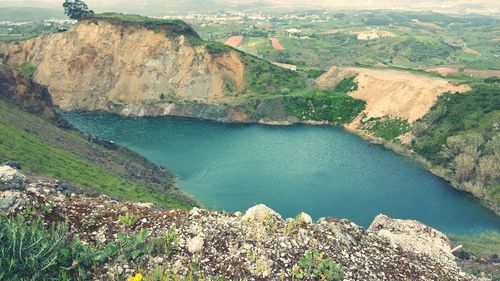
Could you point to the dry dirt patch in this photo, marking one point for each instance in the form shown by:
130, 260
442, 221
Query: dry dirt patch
444, 70
276, 44
234, 41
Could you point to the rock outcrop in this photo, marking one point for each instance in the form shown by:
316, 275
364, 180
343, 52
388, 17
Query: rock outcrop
258, 245
11, 178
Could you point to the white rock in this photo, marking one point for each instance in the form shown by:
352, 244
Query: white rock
260, 212
303, 217
413, 236
11, 178
195, 245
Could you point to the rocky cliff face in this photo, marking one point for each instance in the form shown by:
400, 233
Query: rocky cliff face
99, 65
257, 245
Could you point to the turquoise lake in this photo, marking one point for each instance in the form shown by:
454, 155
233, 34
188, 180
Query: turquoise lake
321, 170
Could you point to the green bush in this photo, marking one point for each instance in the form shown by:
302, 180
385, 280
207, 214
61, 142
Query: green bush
314, 266
27, 69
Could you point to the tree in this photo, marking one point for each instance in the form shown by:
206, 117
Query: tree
76, 9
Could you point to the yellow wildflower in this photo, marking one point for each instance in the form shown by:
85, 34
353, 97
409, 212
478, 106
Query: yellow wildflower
137, 277
322, 255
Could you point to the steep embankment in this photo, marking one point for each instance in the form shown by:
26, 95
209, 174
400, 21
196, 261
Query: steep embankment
100, 64
124, 238
43, 148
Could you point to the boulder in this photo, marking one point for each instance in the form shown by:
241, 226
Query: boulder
413, 236
195, 245
11, 178
260, 213
12, 200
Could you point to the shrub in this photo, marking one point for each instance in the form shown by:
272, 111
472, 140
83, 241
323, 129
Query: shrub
132, 246
167, 243
27, 69
31, 251
314, 266
128, 219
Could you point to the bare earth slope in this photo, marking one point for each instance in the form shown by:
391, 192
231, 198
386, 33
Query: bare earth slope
98, 64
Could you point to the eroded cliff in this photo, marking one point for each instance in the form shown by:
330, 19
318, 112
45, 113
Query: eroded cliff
99, 65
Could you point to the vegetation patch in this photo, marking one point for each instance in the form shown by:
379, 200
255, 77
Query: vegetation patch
171, 27
316, 266
347, 85
27, 69
336, 108
32, 251
481, 245
264, 78
216, 48
386, 128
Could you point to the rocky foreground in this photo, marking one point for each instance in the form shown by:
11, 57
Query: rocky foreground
257, 245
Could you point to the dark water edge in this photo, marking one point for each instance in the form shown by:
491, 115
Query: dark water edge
321, 170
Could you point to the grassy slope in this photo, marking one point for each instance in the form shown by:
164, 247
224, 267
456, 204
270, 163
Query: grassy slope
20, 141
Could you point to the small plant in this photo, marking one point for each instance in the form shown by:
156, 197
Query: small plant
134, 245
88, 222
128, 219
167, 243
68, 195
162, 96
314, 266
47, 208
28, 211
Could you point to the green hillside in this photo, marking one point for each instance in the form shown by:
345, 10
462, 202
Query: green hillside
43, 148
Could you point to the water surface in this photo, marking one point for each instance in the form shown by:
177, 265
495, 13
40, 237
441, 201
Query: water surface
323, 171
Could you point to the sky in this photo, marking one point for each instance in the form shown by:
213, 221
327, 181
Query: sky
164, 6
